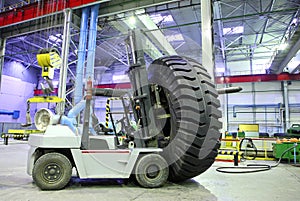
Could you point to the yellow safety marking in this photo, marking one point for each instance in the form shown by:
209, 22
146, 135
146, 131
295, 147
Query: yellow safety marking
45, 99
22, 131
249, 127
229, 152
108, 108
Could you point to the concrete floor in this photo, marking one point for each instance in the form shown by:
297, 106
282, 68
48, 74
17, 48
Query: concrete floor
280, 183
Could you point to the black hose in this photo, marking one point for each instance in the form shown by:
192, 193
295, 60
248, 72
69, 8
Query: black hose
251, 168
252, 146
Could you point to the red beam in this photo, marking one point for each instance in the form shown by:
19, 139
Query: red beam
36, 10
125, 85
257, 78
38, 92
219, 80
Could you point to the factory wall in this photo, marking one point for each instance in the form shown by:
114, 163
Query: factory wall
17, 85
261, 103
18, 70
294, 101
13, 95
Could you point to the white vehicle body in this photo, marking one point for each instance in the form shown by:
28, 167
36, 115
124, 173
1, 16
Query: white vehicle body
102, 160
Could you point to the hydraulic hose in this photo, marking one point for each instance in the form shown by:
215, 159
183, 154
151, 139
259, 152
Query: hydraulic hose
251, 168
252, 146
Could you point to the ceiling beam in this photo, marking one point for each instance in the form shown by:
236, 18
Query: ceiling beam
266, 22
290, 54
120, 6
38, 23
218, 13
39, 10
24, 62
282, 58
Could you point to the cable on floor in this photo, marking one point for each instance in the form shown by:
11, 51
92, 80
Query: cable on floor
249, 144
251, 168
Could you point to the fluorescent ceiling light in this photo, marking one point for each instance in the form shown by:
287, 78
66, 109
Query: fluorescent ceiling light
56, 38
157, 18
132, 20
233, 30
295, 21
282, 46
293, 63
175, 37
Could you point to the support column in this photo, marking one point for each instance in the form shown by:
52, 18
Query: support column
81, 55
286, 106
208, 59
2, 52
252, 87
92, 42
64, 66
225, 111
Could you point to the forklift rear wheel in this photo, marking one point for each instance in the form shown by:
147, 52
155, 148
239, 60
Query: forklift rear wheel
151, 171
188, 95
52, 171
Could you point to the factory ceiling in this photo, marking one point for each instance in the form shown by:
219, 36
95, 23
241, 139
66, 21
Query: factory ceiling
250, 36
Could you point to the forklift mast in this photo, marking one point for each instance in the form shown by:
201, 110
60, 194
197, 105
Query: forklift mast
146, 136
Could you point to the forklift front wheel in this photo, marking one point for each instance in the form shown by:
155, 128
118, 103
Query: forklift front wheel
52, 171
151, 171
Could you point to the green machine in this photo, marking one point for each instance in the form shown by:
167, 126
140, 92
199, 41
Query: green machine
294, 131
291, 154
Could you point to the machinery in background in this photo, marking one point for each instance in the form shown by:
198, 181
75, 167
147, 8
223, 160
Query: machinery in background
293, 147
23, 134
291, 139
49, 60
18, 134
39, 99
293, 131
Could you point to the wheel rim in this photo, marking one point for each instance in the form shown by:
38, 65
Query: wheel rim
152, 171
168, 129
52, 172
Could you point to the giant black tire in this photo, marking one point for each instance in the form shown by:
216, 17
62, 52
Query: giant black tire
189, 96
52, 171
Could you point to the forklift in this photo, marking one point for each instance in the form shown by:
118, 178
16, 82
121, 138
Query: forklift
175, 106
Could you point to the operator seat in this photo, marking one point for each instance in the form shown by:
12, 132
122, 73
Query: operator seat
99, 128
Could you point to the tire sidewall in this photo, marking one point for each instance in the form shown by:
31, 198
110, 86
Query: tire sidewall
148, 160
52, 158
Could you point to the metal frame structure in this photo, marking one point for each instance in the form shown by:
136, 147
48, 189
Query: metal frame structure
266, 24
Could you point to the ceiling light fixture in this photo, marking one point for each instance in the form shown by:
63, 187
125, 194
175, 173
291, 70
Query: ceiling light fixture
233, 30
